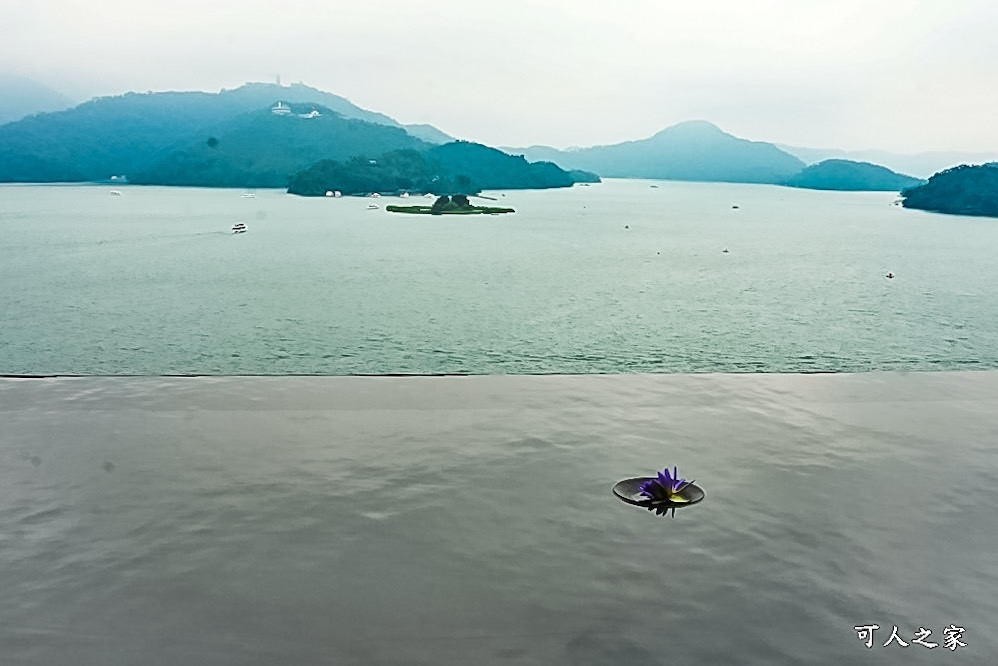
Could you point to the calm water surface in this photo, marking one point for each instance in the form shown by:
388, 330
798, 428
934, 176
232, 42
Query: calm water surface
358, 520
153, 282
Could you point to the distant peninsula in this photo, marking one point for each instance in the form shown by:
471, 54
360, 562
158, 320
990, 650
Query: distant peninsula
459, 167
850, 176
445, 205
962, 190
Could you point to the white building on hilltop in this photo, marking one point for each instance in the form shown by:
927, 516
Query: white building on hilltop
280, 109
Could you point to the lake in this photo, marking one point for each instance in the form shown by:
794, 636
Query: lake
246, 516
616, 277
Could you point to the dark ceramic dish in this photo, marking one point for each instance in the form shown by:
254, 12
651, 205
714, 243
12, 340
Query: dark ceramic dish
629, 490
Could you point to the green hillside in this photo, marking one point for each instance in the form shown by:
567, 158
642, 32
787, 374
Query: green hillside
261, 149
847, 175
127, 134
962, 190
454, 168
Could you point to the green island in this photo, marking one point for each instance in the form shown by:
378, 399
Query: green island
450, 205
851, 176
962, 190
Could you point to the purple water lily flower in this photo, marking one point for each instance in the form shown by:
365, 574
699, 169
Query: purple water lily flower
666, 487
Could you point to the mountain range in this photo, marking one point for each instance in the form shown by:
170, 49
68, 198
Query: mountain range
129, 134
232, 138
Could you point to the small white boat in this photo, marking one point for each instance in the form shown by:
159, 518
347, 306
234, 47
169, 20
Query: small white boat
115, 193
372, 207
248, 195
239, 228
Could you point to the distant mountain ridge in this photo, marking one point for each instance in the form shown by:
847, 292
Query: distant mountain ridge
21, 97
694, 150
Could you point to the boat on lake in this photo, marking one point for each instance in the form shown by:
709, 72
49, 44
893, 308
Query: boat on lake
239, 228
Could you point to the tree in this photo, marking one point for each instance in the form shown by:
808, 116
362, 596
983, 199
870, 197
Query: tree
438, 205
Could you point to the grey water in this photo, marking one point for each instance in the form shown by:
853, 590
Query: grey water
454, 520
616, 277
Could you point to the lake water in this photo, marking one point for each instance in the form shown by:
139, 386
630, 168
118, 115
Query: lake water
234, 520
454, 520
153, 282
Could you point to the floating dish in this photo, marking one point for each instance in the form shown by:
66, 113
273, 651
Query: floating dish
661, 493
629, 490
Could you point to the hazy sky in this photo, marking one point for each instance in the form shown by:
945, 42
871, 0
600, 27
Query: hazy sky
903, 75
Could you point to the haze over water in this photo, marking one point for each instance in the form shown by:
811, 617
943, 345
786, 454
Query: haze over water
617, 277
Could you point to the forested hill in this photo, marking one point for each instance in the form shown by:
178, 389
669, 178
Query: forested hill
847, 175
453, 168
126, 134
262, 149
962, 190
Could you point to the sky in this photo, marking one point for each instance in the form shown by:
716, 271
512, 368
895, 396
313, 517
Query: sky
901, 75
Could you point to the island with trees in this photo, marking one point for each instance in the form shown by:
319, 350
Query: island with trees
457, 204
962, 190
850, 176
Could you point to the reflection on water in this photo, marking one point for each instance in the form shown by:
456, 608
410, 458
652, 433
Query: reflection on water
437, 520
